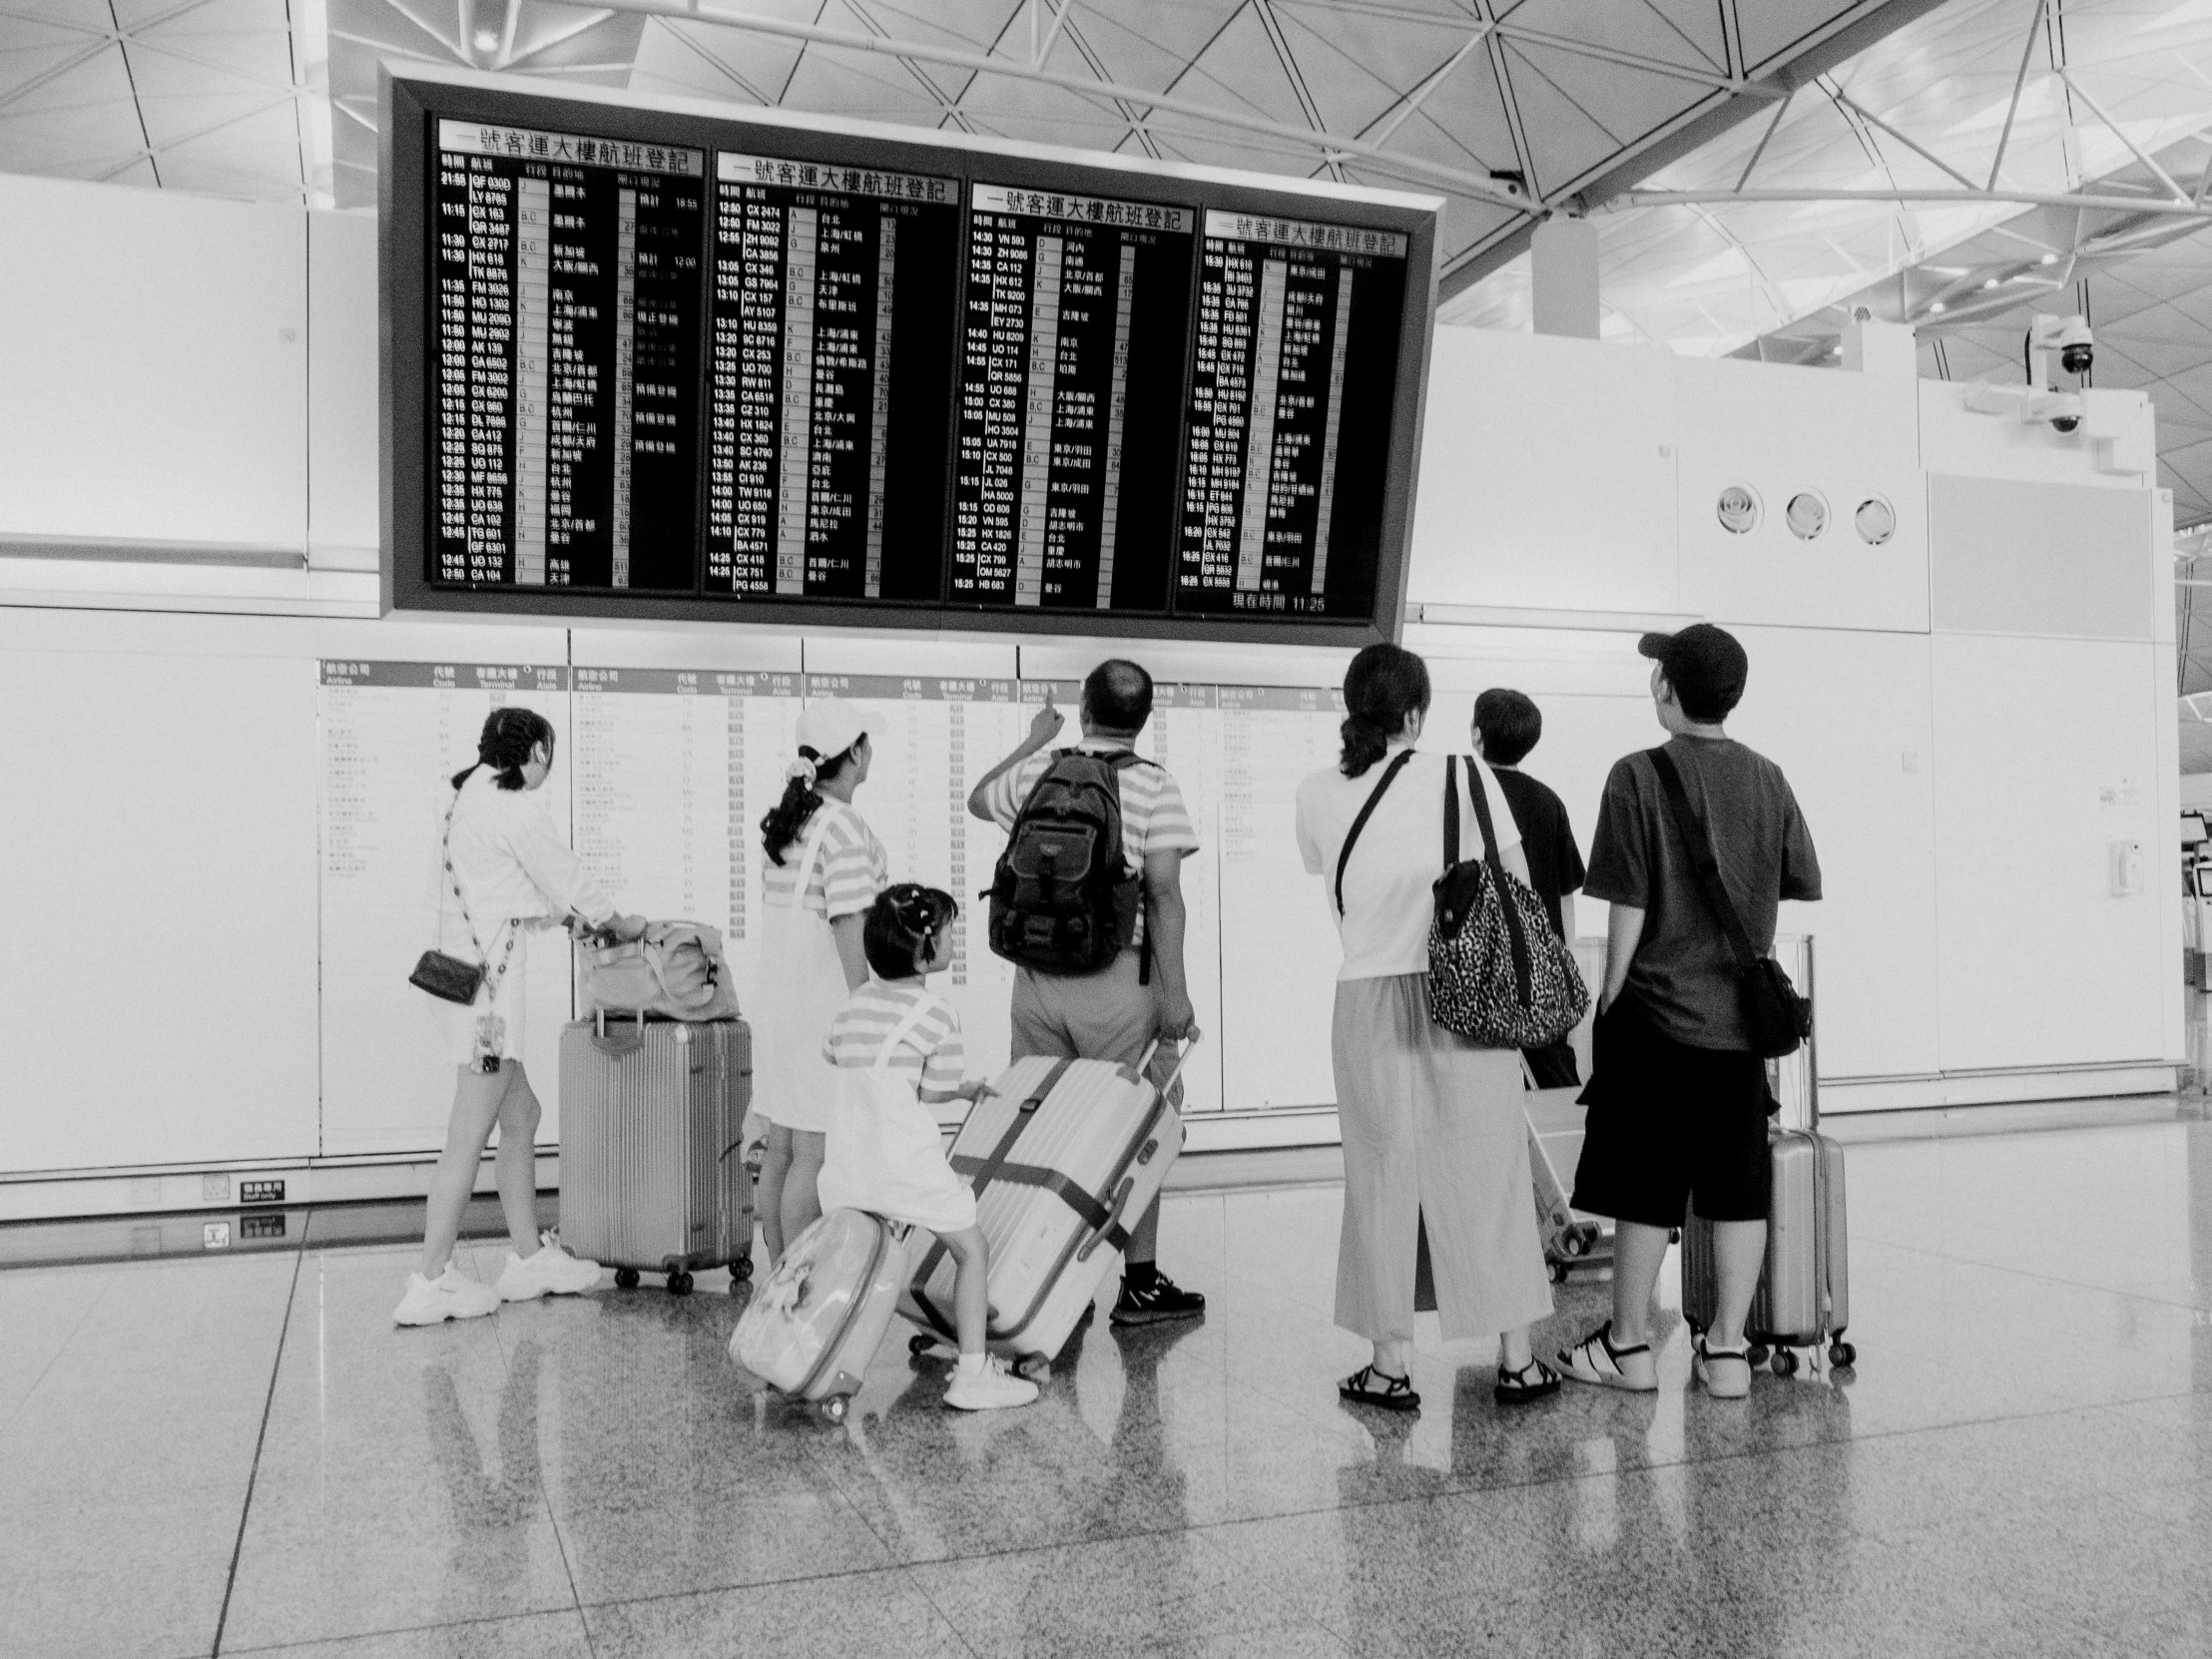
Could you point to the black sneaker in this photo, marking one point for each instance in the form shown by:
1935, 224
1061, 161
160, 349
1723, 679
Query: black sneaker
1162, 1301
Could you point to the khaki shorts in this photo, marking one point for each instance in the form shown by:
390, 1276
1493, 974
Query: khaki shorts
1109, 1015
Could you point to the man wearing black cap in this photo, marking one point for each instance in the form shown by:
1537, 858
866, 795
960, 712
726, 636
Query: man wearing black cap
1678, 1101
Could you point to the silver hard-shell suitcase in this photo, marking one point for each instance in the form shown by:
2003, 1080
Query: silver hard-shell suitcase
1804, 1295
1065, 1156
653, 1176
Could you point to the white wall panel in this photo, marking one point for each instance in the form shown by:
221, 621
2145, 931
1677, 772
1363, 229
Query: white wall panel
1954, 438
159, 826
1844, 438
1547, 475
342, 431
155, 383
1850, 719
2012, 557
2046, 753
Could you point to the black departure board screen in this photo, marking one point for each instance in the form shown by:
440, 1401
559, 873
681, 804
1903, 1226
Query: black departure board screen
1287, 445
831, 383
564, 371
1070, 385
650, 361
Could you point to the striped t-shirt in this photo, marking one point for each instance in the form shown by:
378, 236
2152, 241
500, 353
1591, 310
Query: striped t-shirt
851, 870
932, 1056
1154, 818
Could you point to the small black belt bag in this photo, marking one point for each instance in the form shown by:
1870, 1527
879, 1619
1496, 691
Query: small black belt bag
1776, 1018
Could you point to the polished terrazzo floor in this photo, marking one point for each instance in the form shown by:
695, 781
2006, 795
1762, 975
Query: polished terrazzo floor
241, 1454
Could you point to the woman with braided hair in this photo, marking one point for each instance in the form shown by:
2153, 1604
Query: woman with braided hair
823, 870
505, 874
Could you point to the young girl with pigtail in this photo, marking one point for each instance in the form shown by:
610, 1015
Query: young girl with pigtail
824, 869
895, 1046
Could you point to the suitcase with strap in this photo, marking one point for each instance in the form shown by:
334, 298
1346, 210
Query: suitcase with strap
1064, 1156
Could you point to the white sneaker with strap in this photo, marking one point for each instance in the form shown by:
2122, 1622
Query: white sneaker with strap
548, 1271
1595, 1359
988, 1387
450, 1296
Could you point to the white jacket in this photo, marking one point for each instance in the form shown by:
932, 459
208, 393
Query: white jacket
511, 862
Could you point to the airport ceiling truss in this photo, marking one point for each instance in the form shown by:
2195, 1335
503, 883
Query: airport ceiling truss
1511, 109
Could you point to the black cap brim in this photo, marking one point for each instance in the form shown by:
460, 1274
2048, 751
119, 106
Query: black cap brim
1655, 646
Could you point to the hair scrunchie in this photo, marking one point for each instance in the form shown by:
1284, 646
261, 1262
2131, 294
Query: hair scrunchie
800, 771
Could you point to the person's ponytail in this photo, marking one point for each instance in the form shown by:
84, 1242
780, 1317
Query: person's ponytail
511, 736
786, 820
1383, 687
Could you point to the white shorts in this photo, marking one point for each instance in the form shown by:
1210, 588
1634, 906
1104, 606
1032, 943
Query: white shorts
458, 1024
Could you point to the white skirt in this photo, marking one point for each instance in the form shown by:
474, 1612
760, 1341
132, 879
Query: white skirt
883, 1154
511, 1002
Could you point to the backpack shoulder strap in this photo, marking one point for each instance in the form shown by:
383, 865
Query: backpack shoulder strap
1698, 843
1367, 810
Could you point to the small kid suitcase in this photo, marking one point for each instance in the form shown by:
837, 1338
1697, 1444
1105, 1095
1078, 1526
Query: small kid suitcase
653, 1176
1571, 1238
1804, 1295
1064, 1156
817, 1321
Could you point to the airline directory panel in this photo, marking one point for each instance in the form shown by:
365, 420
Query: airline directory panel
747, 370
564, 397
1069, 394
1286, 448
831, 382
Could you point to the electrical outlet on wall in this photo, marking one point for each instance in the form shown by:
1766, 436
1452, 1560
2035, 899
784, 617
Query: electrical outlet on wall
2127, 868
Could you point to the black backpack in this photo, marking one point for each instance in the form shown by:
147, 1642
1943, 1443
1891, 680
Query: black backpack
1063, 899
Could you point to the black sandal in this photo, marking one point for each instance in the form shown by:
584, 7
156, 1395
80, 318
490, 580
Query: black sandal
1516, 1387
1395, 1395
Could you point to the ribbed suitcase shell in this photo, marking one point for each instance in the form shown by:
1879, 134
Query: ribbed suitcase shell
1571, 1238
1106, 1131
1804, 1296
812, 1330
652, 1172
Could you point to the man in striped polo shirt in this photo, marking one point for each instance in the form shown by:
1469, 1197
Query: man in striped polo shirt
1114, 1015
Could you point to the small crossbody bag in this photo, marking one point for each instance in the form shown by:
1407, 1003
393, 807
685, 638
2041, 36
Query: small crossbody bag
448, 976
1776, 1018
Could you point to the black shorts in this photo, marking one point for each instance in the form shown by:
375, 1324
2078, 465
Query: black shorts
1671, 1126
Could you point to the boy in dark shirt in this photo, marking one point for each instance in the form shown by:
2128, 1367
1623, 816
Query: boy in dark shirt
1508, 726
1678, 1101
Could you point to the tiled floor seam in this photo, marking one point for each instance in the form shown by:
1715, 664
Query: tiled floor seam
260, 1435
60, 1349
357, 1636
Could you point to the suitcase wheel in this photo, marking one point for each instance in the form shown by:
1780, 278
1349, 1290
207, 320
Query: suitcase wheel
834, 1408
1558, 1273
1785, 1363
679, 1283
1755, 1355
1842, 1355
739, 1271
626, 1278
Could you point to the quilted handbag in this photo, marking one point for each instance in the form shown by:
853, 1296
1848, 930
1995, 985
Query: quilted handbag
1497, 974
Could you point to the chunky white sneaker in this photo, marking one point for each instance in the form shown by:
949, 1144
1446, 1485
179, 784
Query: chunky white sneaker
549, 1271
450, 1296
1595, 1359
988, 1388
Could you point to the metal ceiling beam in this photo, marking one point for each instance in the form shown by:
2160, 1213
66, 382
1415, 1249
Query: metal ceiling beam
1325, 144
2184, 209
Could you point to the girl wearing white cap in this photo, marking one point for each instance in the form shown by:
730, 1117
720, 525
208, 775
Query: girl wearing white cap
825, 867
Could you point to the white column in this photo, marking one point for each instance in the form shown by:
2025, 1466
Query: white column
1563, 277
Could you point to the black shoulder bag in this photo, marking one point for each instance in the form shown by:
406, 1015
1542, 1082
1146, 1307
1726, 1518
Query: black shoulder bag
446, 976
1390, 773
1776, 1018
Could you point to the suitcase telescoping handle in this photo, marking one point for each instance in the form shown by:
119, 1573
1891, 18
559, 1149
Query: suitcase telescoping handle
615, 1045
1181, 1054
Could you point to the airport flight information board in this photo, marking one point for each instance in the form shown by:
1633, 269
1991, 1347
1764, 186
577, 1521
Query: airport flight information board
651, 363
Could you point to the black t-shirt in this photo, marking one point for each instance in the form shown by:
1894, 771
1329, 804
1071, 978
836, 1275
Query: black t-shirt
1683, 971
1554, 862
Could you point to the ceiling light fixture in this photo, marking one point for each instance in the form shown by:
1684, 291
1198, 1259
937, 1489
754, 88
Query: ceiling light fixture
487, 40
1938, 308
1988, 283
2048, 258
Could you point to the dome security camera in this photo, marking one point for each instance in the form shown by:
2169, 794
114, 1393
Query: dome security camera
2068, 336
2067, 422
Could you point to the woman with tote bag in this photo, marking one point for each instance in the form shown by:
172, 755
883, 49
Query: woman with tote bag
1434, 1126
